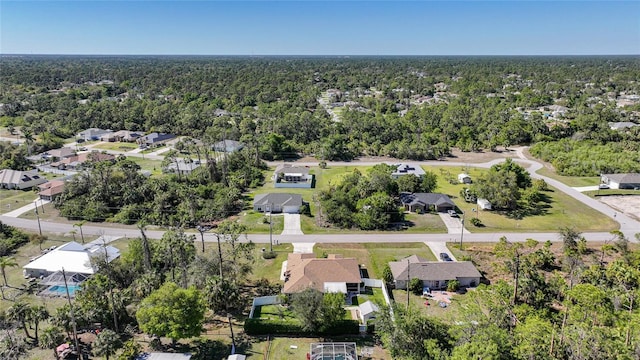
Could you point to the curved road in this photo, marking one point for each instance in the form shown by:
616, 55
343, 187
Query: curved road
628, 226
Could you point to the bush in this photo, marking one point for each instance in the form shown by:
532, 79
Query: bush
476, 222
453, 285
269, 255
415, 286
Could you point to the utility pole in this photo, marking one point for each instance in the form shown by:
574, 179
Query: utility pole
38, 216
461, 230
73, 317
408, 280
270, 229
233, 340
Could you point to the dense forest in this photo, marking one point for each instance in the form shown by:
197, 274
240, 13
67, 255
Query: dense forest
336, 108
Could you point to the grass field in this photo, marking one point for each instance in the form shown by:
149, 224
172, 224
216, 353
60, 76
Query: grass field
374, 256
155, 166
609, 192
255, 222
14, 199
573, 181
563, 210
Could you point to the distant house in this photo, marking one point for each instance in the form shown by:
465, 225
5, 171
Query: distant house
77, 161
72, 257
407, 169
331, 274
622, 125
92, 134
181, 167
621, 181
367, 311
154, 138
464, 178
483, 204
20, 180
51, 190
58, 154
425, 202
287, 176
122, 136
278, 202
228, 146
163, 356
434, 274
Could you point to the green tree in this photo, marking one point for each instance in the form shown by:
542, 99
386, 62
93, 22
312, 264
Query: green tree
5, 262
332, 309
37, 314
50, 339
307, 305
20, 312
172, 312
107, 342
130, 350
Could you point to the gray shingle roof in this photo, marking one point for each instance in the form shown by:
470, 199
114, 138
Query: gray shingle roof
425, 199
433, 270
282, 199
624, 178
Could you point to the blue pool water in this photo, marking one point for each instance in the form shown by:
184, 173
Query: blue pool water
60, 289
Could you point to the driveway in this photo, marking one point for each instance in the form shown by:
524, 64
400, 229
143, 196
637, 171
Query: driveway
586, 188
453, 224
438, 247
292, 225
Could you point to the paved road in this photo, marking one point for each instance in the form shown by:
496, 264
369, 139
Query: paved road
628, 226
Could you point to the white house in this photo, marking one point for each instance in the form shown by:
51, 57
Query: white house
72, 257
14, 179
407, 169
621, 181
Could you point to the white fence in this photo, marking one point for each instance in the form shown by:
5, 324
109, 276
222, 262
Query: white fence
263, 300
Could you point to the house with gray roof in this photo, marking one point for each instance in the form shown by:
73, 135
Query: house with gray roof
434, 274
288, 176
181, 167
621, 181
278, 202
228, 146
154, 138
425, 202
407, 169
92, 134
20, 180
622, 125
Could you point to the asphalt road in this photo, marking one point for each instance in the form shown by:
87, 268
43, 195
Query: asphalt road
628, 226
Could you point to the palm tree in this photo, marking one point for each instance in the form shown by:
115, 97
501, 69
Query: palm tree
79, 225
51, 338
107, 343
20, 312
5, 262
37, 314
28, 138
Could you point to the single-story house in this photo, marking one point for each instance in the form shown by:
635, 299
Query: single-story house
407, 169
622, 125
154, 138
621, 181
483, 204
278, 202
58, 154
228, 146
182, 167
76, 161
287, 175
424, 202
331, 274
122, 136
163, 356
464, 178
92, 134
51, 190
434, 274
20, 180
367, 311
73, 257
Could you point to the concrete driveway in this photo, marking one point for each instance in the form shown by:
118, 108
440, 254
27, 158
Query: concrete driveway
453, 224
292, 225
439, 247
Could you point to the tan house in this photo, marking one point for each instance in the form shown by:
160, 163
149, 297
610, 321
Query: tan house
51, 190
331, 274
76, 161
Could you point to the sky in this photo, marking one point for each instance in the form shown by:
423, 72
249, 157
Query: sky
320, 27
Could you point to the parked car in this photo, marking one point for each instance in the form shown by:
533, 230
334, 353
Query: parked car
603, 186
445, 257
452, 213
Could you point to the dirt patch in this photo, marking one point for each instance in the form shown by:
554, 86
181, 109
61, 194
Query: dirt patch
628, 204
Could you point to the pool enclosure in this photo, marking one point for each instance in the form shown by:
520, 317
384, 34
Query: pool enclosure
54, 284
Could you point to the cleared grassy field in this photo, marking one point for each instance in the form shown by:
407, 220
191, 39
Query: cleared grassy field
374, 256
14, 199
117, 146
255, 222
562, 210
573, 181
155, 166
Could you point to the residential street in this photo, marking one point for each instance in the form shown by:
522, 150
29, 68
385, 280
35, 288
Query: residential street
628, 226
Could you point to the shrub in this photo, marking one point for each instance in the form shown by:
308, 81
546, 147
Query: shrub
415, 286
453, 285
269, 255
476, 222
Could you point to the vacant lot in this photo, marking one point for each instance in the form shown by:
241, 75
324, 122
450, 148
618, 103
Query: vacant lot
628, 204
14, 199
116, 146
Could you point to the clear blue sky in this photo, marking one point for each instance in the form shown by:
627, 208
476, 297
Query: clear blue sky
320, 28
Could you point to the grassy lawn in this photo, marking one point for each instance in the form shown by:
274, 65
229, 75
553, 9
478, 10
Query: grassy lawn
424, 223
117, 146
14, 199
275, 312
270, 268
450, 314
372, 294
562, 210
374, 256
574, 181
255, 222
155, 166
609, 192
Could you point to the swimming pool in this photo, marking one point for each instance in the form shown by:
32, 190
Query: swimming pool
61, 291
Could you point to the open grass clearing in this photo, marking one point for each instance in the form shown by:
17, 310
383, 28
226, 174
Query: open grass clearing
449, 314
15, 199
370, 294
258, 223
270, 268
573, 181
374, 256
155, 166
